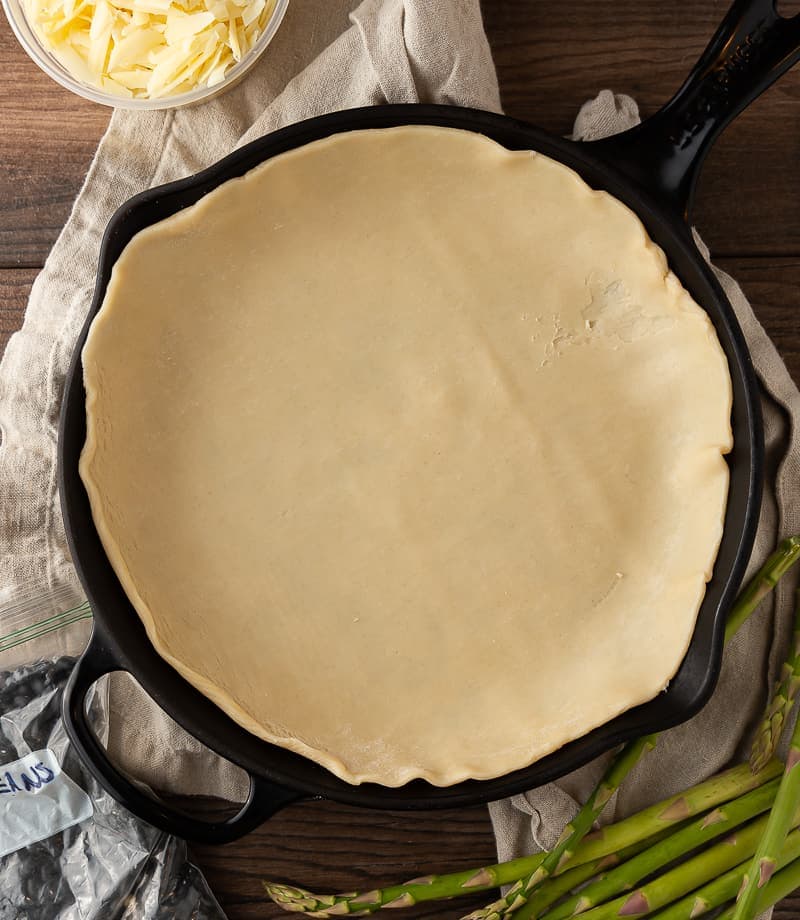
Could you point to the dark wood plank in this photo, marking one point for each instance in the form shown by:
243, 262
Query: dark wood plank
788, 909
47, 139
773, 288
328, 848
550, 58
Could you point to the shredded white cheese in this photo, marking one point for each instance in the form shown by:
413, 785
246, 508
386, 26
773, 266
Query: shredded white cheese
147, 49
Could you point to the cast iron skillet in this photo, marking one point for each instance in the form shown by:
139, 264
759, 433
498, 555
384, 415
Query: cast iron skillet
652, 168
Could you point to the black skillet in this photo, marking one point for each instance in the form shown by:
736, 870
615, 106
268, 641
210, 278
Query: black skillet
653, 168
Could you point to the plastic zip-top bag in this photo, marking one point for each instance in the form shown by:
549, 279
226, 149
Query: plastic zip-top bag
68, 851
39, 624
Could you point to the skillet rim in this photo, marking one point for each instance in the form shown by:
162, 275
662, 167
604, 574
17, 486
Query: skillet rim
697, 676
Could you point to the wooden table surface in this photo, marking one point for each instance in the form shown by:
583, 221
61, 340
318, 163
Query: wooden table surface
550, 56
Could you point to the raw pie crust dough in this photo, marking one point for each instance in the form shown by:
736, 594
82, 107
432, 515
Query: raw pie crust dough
408, 451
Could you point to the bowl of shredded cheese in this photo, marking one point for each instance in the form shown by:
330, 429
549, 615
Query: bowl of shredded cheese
145, 54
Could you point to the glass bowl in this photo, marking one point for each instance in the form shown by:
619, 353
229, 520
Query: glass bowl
41, 56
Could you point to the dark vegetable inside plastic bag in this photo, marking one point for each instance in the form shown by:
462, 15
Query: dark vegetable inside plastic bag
106, 867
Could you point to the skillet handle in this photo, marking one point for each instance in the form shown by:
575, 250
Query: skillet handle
753, 46
263, 801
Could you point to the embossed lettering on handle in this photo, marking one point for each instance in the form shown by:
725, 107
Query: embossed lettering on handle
753, 46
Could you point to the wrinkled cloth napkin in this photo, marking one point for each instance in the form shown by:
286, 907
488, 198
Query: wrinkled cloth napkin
327, 55
722, 732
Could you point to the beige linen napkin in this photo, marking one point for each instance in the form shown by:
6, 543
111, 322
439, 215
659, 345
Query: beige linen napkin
328, 54
722, 731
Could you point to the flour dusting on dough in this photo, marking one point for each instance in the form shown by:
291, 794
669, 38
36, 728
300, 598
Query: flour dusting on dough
612, 317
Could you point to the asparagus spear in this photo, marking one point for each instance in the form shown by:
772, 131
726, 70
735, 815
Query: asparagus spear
720, 821
697, 871
573, 833
296, 899
560, 885
603, 843
766, 856
778, 564
724, 888
595, 847
781, 704
672, 811
783, 884
757, 589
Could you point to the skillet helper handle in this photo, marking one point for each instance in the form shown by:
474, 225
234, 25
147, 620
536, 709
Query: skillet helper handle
753, 46
262, 802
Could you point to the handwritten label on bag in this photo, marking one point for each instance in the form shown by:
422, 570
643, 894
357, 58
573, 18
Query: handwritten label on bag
37, 800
